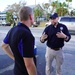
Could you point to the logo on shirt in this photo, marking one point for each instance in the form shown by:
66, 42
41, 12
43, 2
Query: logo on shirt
61, 28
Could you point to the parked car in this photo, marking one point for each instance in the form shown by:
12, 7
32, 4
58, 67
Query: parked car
4, 23
36, 24
48, 23
8, 24
69, 21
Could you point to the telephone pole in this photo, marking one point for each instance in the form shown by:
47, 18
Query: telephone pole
35, 2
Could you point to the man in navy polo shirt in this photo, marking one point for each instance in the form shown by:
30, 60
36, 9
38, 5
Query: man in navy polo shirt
19, 44
55, 35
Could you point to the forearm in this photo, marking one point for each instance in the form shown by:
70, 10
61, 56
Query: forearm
7, 49
30, 66
32, 70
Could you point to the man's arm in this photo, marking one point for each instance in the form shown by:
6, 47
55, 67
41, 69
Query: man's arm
30, 66
7, 49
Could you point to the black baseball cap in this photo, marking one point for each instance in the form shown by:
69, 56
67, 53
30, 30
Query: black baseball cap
53, 16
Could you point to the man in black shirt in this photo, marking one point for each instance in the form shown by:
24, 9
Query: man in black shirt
19, 44
55, 35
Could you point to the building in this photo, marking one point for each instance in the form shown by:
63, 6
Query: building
3, 21
2, 18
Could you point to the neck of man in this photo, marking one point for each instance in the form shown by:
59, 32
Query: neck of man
27, 23
55, 25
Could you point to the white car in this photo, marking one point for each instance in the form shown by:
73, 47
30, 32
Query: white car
69, 21
48, 23
36, 24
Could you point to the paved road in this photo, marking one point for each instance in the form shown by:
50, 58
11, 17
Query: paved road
68, 67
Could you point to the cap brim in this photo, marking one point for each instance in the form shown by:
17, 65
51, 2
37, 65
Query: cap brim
52, 17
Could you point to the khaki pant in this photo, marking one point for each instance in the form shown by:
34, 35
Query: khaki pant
50, 55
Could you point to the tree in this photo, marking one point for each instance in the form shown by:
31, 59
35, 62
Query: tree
14, 8
55, 5
72, 13
68, 2
50, 2
37, 13
62, 9
9, 17
46, 9
46, 5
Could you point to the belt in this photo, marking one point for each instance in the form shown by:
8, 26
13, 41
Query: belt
56, 49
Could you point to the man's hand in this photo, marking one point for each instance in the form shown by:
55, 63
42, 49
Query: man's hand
61, 35
43, 37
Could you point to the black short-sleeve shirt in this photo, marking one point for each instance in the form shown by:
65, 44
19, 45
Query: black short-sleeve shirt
21, 42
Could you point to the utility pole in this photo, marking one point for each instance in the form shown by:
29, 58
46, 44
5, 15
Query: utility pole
35, 2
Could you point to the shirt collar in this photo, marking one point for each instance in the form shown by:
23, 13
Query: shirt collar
21, 24
56, 25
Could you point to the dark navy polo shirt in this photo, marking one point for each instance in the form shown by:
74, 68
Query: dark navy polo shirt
21, 42
53, 41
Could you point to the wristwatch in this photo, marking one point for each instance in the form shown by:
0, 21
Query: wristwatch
66, 37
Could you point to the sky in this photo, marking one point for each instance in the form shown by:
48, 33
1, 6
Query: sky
5, 3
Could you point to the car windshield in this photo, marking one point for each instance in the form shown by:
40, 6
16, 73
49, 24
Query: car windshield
65, 19
73, 19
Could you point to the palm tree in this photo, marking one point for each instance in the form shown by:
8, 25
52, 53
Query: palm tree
68, 5
59, 7
55, 5
62, 10
35, 2
68, 2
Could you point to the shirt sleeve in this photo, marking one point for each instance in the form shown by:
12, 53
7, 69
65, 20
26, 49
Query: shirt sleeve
6, 41
67, 33
28, 46
46, 30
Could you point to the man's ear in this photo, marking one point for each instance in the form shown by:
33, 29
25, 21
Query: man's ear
58, 18
30, 17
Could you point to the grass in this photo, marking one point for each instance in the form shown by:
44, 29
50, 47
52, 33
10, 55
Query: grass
42, 24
